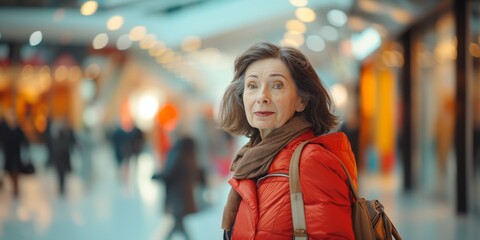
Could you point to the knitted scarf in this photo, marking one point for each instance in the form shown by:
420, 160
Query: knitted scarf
254, 159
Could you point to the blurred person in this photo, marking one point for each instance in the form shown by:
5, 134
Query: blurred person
86, 146
278, 101
128, 142
444, 136
13, 139
118, 138
180, 175
136, 140
63, 141
48, 140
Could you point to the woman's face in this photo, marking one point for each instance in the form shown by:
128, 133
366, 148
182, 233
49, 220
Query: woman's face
270, 96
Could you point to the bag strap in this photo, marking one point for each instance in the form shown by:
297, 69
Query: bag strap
296, 197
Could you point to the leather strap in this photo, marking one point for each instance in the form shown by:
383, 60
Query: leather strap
296, 197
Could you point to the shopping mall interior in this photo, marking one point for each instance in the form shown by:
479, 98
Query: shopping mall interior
126, 78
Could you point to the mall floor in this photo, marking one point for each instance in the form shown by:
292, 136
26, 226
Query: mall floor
109, 205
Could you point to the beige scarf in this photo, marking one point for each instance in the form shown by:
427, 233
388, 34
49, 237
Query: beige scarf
254, 159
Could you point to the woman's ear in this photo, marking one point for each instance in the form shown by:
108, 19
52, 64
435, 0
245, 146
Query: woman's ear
301, 104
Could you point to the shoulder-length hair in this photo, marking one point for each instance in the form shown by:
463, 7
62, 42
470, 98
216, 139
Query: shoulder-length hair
319, 110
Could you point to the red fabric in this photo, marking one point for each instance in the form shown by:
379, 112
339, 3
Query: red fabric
265, 211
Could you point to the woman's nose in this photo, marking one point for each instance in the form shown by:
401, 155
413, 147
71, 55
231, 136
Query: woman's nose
263, 95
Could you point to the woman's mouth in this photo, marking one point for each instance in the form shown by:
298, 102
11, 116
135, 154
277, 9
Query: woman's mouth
263, 113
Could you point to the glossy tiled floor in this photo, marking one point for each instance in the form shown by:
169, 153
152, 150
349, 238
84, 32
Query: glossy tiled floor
108, 206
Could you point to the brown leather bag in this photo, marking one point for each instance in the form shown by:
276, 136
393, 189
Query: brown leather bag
369, 220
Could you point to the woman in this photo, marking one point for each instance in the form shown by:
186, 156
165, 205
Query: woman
278, 101
14, 140
181, 175
63, 140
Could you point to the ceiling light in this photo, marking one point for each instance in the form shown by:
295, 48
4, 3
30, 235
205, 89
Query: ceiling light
166, 57
294, 39
138, 33
305, 14
92, 71
315, 43
191, 43
88, 8
329, 33
295, 25
157, 50
148, 41
35, 38
100, 41
124, 42
337, 18
115, 23
299, 3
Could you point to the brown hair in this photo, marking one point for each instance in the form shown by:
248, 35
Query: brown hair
319, 110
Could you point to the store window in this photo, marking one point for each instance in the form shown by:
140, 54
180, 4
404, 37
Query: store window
380, 109
434, 106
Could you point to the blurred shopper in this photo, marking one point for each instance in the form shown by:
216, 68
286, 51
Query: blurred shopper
278, 101
86, 145
64, 140
128, 142
180, 175
47, 138
13, 139
444, 136
136, 142
119, 139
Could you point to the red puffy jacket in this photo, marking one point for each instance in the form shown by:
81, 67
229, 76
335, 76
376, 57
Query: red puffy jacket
265, 211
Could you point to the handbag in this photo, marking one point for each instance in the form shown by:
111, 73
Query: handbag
369, 219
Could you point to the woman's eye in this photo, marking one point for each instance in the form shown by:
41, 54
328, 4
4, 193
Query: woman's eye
278, 85
251, 86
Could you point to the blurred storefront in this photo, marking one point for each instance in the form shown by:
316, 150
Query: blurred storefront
379, 109
412, 91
